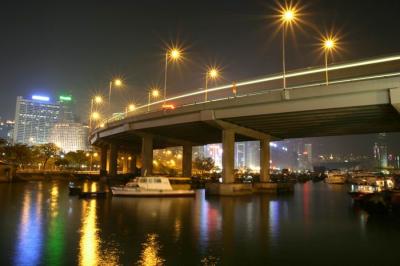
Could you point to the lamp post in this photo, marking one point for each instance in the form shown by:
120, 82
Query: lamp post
153, 93
328, 45
117, 83
212, 73
288, 16
94, 100
173, 54
91, 154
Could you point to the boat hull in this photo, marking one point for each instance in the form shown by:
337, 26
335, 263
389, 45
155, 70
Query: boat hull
168, 193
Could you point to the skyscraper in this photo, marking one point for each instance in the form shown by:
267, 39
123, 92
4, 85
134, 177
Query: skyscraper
34, 118
380, 151
6, 130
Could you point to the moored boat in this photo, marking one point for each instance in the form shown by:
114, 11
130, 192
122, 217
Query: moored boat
335, 177
150, 186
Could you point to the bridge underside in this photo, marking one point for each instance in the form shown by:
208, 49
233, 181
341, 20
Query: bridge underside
328, 122
316, 123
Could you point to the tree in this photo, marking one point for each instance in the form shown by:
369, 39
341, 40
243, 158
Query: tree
19, 154
46, 151
204, 164
76, 159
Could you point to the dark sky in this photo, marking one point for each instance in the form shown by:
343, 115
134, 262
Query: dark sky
53, 47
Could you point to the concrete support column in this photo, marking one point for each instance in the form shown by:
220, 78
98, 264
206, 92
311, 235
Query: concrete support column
125, 164
187, 161
264, 159
228, 159
147, 155
103, 161
132, 164
113, 159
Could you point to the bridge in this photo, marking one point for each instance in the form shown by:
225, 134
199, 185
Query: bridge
361, 97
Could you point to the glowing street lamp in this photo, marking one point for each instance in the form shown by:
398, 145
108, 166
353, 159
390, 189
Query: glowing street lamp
173, 54
288, 16
329, 44
95, 116
130, 108
153, 93
95, 100
116, 83
212, 73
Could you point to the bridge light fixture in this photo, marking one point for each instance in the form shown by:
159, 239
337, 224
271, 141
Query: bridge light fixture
328, 45
97, 99
95, 116
289, 15
117, 83
212, 73
131, 107
173, 54
153, 93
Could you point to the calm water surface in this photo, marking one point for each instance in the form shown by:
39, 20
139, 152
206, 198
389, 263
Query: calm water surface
317, 225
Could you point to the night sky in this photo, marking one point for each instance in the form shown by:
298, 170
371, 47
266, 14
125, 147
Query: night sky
78, 47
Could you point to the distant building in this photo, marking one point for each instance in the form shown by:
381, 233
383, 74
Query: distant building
240, 155
70, 136
6, 130
380, 151
34, 118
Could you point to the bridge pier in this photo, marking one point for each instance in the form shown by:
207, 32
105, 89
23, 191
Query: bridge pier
125, 163
187, 160
113, 159
103, 161
228, 186
147, 155
132, 164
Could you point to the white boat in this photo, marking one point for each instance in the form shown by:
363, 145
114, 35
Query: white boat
335, 177
150, 186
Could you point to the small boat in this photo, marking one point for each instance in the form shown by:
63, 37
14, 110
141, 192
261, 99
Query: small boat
150, 186
366, 189
74, 189
363, 192
335, 177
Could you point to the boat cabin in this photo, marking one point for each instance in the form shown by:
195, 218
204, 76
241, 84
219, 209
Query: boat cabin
154, 183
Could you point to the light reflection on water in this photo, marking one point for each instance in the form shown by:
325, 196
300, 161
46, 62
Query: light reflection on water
92, 252
52, 227
30, 236
150, 252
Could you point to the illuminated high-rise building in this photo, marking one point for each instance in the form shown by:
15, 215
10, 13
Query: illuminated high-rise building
6, 130
34, 118
380, 151
70, 136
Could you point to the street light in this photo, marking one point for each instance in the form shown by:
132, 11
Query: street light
95, 116
130, 108
95, 100
116, 83
153, 93
329, 44
288, 16
212, 73
173, 54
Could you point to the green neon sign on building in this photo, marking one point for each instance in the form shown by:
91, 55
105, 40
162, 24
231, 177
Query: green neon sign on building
65, 98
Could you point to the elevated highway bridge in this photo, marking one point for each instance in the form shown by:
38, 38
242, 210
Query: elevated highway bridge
361, 97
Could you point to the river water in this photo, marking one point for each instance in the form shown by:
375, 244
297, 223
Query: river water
316, 225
